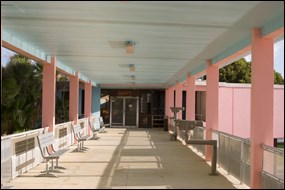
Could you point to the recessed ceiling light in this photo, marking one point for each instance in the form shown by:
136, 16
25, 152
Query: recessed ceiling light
132, 67
130, 45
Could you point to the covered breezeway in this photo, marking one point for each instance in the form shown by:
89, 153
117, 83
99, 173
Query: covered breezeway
129, 159
149, 45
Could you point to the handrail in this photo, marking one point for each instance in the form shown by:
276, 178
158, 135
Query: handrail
65, 123
232, 136
32, 131
22, 133
273, 176
273, 149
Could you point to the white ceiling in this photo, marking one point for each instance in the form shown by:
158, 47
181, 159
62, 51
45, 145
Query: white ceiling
172, 38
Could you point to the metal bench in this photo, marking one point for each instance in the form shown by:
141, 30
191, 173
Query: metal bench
77, 135
45, 142
93, 129
102, 125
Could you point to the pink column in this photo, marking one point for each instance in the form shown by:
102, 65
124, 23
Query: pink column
171, 100
1, 61
166, 112
178, 98
261, 130
73, 98
48, 94
190, 97
212, 103
87, 102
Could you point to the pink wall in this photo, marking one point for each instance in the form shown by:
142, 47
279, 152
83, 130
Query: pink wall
278, 113
225, 110
200, 88
241, 124
234, 111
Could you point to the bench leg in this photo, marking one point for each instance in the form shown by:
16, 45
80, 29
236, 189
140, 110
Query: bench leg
59, 167
52, 168
46, 173
94, 137
102, 130
47, 167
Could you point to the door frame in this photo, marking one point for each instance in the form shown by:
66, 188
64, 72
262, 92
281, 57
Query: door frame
124, 110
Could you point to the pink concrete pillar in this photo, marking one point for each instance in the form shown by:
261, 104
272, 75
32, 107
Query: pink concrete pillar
261, 129
166, 112
1, 61
88, 102
48, 94
190, 97
212, 103
178, 98
73, 98
171, 100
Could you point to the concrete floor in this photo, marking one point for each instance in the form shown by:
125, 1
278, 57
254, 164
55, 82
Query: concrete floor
128, 158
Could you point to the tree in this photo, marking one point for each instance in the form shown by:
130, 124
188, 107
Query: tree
237, 72
62, 99
240, 72
278, 79
22, 89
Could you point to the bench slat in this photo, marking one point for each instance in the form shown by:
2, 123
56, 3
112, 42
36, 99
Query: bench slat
46, 140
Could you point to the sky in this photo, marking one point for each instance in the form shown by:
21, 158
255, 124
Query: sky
278, 56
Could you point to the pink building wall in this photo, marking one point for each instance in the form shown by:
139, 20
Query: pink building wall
278, 113
234, 110
241, 112
225, 110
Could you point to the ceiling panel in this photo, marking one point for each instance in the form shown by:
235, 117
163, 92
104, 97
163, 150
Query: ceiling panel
172, 38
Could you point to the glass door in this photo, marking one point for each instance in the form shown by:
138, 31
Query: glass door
124, 112
117, 111
131, 112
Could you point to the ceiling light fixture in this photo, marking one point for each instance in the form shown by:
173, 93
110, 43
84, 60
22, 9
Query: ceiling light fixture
130, 45
132, 67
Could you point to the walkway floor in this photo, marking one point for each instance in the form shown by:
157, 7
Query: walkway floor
128, 158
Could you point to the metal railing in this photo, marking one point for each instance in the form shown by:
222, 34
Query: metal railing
13, 162
234, 157
272, 175
20, 152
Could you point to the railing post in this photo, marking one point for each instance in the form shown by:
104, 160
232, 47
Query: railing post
214, 159
214, 154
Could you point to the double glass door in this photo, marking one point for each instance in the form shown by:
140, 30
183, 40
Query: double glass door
124, 112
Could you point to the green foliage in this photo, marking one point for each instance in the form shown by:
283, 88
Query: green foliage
278, 79
22, 89
62, 100
237, 72
240, 72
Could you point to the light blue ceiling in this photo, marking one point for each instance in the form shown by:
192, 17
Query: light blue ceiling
172, 38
